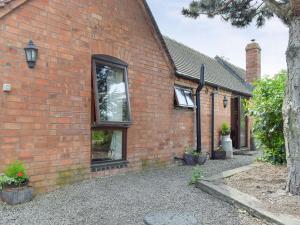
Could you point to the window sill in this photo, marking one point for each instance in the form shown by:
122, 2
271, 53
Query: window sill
101, 166
112, 125
184, 108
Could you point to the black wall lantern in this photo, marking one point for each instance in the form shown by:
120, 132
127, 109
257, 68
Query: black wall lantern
225, 101
31, 53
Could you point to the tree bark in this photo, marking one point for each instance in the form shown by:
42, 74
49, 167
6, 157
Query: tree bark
291, 108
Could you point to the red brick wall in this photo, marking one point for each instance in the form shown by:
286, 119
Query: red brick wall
253, 62
45, 119
221, 114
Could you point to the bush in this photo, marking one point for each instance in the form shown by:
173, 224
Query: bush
196, 175
6, 180
225, 129
17, 172
266, 109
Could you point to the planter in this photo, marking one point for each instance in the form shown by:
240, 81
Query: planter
202, 159
227, 146
192, 160
220, 155
13, 195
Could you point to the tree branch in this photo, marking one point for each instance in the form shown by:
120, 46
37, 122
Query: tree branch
282, 11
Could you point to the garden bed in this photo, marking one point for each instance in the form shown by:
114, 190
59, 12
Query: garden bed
267, 182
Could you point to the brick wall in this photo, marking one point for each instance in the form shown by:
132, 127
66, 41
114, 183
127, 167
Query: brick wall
45, 119
221, 114
253, 62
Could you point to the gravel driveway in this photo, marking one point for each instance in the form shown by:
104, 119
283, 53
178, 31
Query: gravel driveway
125, 199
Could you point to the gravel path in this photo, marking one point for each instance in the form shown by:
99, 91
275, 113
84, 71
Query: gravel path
126, 199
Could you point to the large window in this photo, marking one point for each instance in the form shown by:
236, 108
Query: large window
111, 110
184, 97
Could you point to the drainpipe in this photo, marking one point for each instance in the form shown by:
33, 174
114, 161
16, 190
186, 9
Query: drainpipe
198, 111
212, 134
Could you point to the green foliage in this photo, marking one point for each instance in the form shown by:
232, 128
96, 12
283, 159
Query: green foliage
6, 180
266, 109
197, 175
17, 172
193, 151
102, 137
242, 12
14, 174
225, 129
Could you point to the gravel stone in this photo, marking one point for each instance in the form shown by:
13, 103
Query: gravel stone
126, 199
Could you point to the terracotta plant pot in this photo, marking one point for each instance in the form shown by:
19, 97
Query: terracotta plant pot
13, 195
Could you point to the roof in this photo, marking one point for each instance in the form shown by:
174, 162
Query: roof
6, 6
241, 73
218, 72
4, 2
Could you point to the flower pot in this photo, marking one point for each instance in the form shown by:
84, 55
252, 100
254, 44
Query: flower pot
202, 159
220, 155
190, 159
13, 195
227, 146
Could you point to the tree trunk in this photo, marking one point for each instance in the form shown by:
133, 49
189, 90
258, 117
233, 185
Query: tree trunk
291, 108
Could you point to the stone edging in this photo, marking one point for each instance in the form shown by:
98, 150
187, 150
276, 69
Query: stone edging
252, 205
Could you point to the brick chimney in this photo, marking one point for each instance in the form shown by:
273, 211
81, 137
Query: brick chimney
253, 61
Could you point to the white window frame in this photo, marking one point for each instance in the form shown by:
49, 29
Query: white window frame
187, 93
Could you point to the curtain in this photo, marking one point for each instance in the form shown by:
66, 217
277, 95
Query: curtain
116, 96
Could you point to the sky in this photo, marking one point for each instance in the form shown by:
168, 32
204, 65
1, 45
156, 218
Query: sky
215, 37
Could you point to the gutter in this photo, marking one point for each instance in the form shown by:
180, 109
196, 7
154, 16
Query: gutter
182, 75
212, 134
198, 110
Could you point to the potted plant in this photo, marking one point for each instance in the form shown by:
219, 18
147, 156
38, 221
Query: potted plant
226, 140
219, 153
192, 157
14, 184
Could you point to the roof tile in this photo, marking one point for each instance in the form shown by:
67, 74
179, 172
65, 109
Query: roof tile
187, 62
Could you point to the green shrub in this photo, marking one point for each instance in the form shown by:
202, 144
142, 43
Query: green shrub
6, 180
197, 175
192, 151
266, 109
17, 172
225, 129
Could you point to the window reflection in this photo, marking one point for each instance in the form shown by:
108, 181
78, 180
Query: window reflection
113, 103
106, 145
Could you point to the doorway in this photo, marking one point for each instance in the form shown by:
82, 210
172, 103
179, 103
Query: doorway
239, 124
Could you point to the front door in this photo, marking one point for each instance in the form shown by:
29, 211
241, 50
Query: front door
235, 122
238, 124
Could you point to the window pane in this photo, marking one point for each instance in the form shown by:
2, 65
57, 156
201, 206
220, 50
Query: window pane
189, 98
113, 102
107, 145
180, 97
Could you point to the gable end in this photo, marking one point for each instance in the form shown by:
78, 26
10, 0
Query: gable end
6, 6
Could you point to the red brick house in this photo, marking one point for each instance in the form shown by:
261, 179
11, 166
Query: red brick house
108, 92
